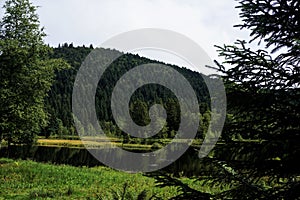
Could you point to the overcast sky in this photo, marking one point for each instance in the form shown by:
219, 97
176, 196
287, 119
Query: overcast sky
207, 22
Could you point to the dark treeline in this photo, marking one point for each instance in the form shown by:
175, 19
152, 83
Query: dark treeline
59, 105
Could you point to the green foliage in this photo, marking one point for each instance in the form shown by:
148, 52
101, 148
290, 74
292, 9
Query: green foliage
58, 102
156, 145
184, 190
26, 73
263, 87
263, 95
263, 103
30, 180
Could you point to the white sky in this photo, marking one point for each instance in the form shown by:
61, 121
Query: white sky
207, 22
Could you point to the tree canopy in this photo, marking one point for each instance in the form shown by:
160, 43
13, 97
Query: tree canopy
267, 80
26, 73
59, 100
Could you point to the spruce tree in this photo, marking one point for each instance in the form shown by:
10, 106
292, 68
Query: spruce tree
264, 101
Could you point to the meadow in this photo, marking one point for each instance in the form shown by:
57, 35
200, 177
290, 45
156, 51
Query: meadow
25, 179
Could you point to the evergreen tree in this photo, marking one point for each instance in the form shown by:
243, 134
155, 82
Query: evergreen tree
264, 103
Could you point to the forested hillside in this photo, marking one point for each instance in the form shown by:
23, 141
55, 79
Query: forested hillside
59, 99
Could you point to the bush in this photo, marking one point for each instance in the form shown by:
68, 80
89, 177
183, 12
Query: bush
156, 145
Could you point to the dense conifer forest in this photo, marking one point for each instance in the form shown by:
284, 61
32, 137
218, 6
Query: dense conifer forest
58, 101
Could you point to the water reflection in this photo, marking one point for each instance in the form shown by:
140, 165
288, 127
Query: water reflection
82, 157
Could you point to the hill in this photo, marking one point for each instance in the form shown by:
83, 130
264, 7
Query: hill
59, 99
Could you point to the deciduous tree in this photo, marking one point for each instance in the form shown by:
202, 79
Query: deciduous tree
26, 73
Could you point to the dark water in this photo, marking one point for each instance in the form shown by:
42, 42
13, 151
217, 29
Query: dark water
188, 164
56, 155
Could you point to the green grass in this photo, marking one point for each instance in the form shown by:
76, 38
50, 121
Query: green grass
134, 144
21, 179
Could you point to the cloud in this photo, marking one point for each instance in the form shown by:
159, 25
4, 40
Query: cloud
207, 22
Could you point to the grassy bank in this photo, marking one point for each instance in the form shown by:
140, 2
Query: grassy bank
76, 142
133, 144
31, 180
